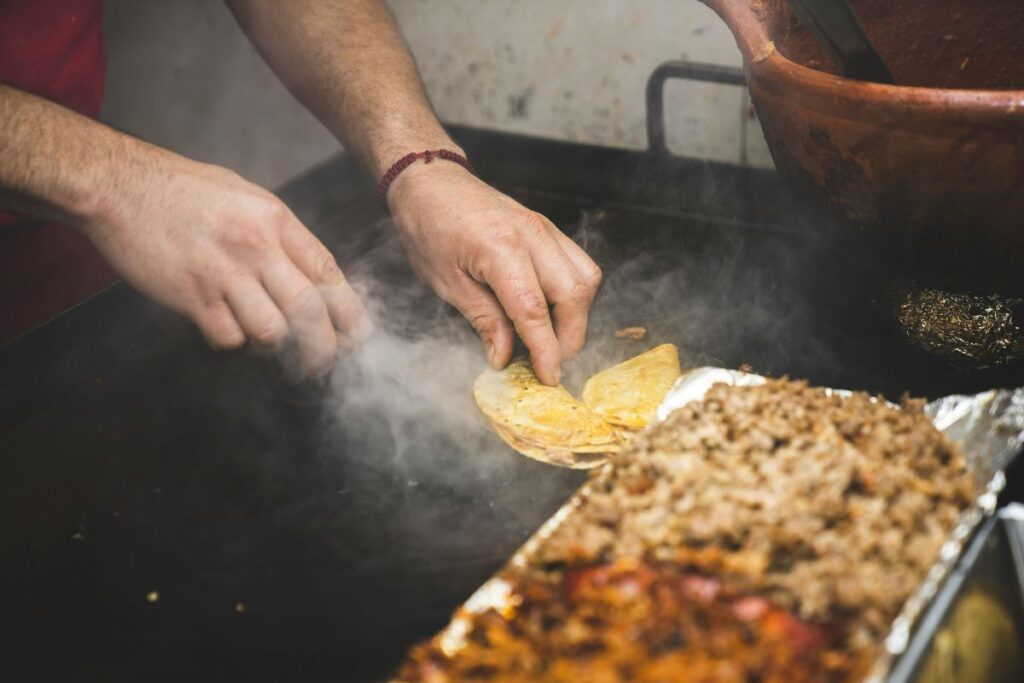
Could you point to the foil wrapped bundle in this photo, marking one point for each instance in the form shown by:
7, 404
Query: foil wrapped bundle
972, 331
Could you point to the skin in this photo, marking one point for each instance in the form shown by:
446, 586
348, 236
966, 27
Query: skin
234, 259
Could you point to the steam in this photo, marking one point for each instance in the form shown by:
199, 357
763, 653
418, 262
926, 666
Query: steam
409, 388
401, 411
400, 420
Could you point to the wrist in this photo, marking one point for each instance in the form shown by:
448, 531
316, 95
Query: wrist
117, 163
384, 155
422, 171
114, 189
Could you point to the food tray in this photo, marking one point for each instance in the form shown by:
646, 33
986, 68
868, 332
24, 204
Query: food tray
989, 427
973, 628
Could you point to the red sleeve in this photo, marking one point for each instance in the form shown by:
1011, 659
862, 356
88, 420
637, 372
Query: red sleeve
54, 49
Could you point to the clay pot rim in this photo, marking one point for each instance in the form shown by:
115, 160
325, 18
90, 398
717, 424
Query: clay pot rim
847, 92
773, 70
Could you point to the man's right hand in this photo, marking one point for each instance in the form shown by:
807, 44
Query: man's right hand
502, 265
227, 254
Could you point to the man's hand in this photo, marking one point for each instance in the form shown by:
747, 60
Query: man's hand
198, 238
227, 254
499, 263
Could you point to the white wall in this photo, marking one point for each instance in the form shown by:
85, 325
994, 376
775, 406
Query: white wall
181, 74
577, 69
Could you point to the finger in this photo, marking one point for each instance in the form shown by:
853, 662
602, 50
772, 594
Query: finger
219, 327
588, 271
346, 310
585, 266
564, 288
481, 308
514, 282
260, 318
306, 313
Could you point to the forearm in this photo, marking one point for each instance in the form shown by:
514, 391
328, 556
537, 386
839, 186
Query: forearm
55, 163
507, 269
347, 62
196, 237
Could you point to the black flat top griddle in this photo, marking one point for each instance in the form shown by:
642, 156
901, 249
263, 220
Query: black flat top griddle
171, 513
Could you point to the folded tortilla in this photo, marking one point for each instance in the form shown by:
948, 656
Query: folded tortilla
555, 455
627, 395
537, 415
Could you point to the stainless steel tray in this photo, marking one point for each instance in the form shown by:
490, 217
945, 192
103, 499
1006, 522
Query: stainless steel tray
988, 426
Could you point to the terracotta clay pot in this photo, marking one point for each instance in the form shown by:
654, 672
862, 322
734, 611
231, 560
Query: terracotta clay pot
933, 166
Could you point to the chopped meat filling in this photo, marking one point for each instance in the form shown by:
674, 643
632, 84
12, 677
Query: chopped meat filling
632, 621
834, 506
767, 533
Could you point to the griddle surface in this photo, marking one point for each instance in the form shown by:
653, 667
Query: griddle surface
284, 542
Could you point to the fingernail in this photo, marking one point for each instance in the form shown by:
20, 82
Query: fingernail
557, 374
492, 355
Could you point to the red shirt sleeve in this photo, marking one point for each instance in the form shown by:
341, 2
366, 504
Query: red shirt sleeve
54, 49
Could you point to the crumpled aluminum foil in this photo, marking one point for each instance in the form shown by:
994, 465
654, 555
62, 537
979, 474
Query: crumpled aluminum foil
968, 330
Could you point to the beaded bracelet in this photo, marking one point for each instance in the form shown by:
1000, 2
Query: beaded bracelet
408, 160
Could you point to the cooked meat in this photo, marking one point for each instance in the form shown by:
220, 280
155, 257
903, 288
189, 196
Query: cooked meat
765, 533
633, 333
833, 506
631, 621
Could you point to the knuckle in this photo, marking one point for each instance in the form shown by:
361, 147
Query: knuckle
253, 218
243, 237
485, 324
325, 268
198, 274
214, 275
593, 277
270, 332
506, 241
533, 308
533, 224
269, 209
193, 292
580, 293
307, 303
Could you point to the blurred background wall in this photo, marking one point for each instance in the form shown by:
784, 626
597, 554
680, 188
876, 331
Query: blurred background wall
183, 75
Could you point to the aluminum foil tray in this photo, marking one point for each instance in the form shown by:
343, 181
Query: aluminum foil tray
989, 427
973, 628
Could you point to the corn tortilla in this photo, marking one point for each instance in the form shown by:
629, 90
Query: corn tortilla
515, 400
628, 394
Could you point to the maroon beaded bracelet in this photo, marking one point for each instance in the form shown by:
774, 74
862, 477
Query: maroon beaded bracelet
408, 160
